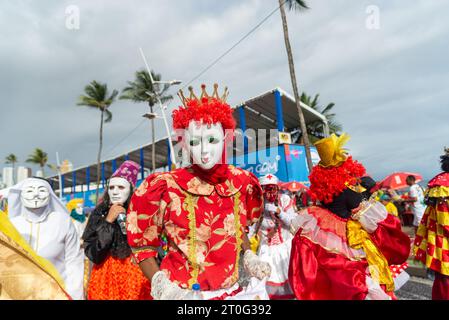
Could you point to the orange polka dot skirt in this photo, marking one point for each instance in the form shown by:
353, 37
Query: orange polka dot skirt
118, 279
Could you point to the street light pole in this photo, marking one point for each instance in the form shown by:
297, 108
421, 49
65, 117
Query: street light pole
172, 151
58, 165
164, 117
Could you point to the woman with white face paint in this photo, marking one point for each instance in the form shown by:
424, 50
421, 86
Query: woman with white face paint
44, 222
114, 276
203, 210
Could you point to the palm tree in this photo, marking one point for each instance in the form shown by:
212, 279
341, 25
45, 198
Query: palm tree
38, 157
98, 97
12, 159
295, 5
142, 90
334, 125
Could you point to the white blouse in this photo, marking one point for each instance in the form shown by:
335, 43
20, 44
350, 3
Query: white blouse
56, 239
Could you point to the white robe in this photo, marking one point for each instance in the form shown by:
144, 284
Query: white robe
277, 254
56, 239
52, 235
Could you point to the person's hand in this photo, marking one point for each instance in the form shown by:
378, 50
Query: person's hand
163, 289
277, 212
114, 211
254, 266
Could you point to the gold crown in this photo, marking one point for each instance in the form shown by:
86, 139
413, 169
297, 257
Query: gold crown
203, 95
331, 150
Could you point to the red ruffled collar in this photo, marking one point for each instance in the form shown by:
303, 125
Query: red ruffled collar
227, 180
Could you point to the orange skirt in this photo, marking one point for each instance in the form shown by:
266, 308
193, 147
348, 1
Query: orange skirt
118, 279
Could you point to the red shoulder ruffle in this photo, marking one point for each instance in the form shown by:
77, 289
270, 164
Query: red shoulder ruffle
440, 180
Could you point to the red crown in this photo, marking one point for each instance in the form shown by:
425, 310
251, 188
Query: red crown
206, 109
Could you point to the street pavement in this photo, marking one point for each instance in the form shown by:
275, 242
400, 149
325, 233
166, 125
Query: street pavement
416, 289
419, 287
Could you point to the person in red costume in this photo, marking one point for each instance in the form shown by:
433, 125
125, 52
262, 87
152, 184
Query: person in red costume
343, 247
203, 210
431, 245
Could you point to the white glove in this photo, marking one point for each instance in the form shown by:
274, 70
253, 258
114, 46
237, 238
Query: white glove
370, 214
163, 289
254, 266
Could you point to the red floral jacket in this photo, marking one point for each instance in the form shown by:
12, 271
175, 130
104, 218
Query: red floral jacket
204, 224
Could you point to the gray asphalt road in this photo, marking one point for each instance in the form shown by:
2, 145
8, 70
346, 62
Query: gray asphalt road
416, 289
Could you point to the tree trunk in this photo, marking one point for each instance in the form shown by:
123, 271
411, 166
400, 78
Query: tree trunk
99, 157
153, 147
291, 65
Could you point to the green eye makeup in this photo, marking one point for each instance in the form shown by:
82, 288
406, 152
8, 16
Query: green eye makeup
194, 142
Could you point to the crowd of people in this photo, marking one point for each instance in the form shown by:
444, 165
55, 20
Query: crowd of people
214, 231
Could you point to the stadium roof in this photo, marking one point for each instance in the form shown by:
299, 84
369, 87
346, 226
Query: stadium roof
260, 113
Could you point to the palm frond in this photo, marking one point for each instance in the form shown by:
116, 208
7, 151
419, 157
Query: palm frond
334, 126
297, 5
328, 108
305, 98
38, 157
97, 96
108, 116
88, 102
53, 167
11, 159
143, 90
166, 99
314, 103
113, 95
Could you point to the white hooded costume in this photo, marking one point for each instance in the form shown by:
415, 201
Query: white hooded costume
49, 230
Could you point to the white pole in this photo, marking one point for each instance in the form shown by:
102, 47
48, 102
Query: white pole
59, 174
170, 143
146, 65
172, 152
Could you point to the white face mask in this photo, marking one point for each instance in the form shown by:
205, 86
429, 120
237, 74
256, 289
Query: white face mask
119, 190
79, 209
204, 143
35, 194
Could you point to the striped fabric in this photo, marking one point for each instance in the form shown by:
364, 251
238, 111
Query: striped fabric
431, 245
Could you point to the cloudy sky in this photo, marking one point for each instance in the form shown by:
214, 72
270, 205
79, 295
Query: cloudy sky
389, 83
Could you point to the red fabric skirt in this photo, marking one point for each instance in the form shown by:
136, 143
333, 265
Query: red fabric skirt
440, 289
118, 279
